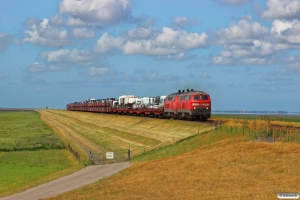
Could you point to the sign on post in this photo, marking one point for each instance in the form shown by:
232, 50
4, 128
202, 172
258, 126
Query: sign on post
109, 155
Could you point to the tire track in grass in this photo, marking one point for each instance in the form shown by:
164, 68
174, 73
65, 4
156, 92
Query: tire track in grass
83, 144
117, 138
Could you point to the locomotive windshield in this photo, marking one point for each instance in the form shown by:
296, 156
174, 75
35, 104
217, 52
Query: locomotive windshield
198, 97
204, 97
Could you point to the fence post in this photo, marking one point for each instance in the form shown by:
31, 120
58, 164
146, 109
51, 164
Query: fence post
90, 158
129, 153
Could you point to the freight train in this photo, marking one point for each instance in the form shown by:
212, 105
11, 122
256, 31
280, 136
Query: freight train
185, 104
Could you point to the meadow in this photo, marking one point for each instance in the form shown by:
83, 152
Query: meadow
214, 164
232, 158
30, 152
25, 131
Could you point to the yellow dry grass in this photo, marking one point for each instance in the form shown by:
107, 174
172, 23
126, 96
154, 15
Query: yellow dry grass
229, 169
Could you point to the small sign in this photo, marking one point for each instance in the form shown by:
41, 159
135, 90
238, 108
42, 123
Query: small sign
109, 155
288, 195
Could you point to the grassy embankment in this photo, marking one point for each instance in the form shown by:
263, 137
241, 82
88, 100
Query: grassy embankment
219, 164
30, 153
118, 133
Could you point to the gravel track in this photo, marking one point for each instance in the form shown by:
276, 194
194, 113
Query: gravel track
64, 184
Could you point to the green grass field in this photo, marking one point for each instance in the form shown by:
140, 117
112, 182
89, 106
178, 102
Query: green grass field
26, 131
30, 152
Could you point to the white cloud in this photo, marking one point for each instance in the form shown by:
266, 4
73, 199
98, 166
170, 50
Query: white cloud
180, 22
95, 12
242, 32
100, 71
83, 33
66, 55
287, 33
106, 44
282, 9
168, 41
247, 43
225, 53
279, 26
141, 33
38, 68
233, 2
42, 34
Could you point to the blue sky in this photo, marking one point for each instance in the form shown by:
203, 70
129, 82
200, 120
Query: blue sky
244, 53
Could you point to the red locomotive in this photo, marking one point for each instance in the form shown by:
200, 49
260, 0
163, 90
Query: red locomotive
189, 104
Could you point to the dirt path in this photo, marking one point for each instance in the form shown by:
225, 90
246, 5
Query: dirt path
64, 184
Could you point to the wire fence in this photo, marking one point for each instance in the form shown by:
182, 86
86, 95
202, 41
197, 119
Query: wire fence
264, 132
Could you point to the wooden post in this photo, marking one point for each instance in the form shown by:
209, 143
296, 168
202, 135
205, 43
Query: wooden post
128, 152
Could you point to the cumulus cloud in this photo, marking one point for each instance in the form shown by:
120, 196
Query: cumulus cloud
43, 34
94, 12
242, 32
36, 68
83, 33
245, 42
106, 44
180, 22
141, 33
233, 2
282, 9
168, 41
66, 55
5, 40
287, 33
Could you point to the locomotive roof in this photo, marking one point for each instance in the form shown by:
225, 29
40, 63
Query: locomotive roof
188, 93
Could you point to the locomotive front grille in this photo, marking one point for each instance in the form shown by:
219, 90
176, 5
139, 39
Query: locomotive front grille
201, 111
